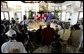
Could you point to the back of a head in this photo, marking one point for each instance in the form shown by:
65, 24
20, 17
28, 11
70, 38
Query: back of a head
72, 28
48, 12
40, 27
24, 17
12, 18
76, 27
57, 29
4, 19
14, 22
66, 26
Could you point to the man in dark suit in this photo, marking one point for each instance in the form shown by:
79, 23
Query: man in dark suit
47, 35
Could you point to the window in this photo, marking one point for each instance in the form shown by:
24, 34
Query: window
6, 15
80, 15
27, 14
59, 14
33, 9
19, 15
63, 16
56, 8
59, 8
67, 16
52, 8
52, 12
2, 15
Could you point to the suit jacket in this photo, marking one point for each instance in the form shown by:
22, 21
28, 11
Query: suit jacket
47, 35
64, 34
76, 38
9, 46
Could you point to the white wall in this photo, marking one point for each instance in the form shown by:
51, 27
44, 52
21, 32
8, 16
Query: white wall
63, 16
29, 6
74, 18
50, 8
75, 7
13, 5
52, 5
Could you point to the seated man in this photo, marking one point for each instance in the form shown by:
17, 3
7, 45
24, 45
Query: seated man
76, 38
12, 46
65, 35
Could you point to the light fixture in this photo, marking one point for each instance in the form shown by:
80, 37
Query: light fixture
28, 1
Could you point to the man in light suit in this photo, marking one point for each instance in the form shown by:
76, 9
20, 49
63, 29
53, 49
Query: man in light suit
12, 46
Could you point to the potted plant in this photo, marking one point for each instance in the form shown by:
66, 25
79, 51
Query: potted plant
30, 14
56, 14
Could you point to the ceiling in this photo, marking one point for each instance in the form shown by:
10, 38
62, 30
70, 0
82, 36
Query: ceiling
45, 1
